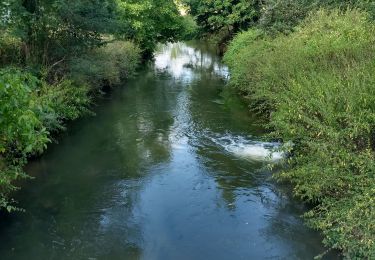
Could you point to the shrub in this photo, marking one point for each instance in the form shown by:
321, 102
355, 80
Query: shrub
21, 131
316, 86
190, 28
10, 48
30, 109
106, 65
61, 102
283, 15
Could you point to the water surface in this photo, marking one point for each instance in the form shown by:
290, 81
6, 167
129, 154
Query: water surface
156, 175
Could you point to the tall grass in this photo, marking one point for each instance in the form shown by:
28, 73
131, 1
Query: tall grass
317, 88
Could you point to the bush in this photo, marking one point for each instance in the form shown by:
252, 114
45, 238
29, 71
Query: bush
61, 102
316, 86
283, 15
30, 109
190, 28
106, 65
21, 131
10, 48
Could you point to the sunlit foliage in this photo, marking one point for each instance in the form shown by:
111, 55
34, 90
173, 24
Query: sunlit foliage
317, 88
150, 21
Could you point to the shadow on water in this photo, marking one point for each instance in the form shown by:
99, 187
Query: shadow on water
148, 178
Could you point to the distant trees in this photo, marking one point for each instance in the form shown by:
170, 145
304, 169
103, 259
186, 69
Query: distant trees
233, 15
150, 21
227, 17
49, 30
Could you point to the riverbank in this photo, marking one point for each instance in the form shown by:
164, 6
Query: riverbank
316, 88
55, 56
34, 110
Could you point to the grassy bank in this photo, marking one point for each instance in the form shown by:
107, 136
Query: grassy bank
316, 86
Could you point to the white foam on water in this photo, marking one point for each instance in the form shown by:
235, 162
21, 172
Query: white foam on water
255, 152
249, 149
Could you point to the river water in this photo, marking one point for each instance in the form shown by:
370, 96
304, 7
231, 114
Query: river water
170, 167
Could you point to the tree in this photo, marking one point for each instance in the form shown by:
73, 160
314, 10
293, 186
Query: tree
51, 30
150, 21
232, 15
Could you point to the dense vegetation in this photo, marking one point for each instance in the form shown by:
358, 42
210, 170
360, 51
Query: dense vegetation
30, 110
317, 86
220, 20
308, 68
224, 17
56, 55
306, 65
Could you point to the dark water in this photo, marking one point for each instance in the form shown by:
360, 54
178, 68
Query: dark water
167, 169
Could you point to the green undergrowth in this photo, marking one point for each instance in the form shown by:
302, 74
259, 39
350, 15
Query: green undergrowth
33, 108
106, 65
316, 86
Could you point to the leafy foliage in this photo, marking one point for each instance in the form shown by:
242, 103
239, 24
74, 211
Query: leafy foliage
61, 102
21, 131
150, 21
234, 15
59, 29
70, 50
317, 88
190, 28
220, 19
106, 65
51, 30
284, 15
10, 49
30, 109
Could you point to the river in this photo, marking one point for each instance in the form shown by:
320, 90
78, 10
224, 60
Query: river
171, 167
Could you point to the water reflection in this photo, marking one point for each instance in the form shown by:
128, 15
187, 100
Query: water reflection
146, 179
183, 63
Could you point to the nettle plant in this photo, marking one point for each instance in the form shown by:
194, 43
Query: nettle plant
21, 131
